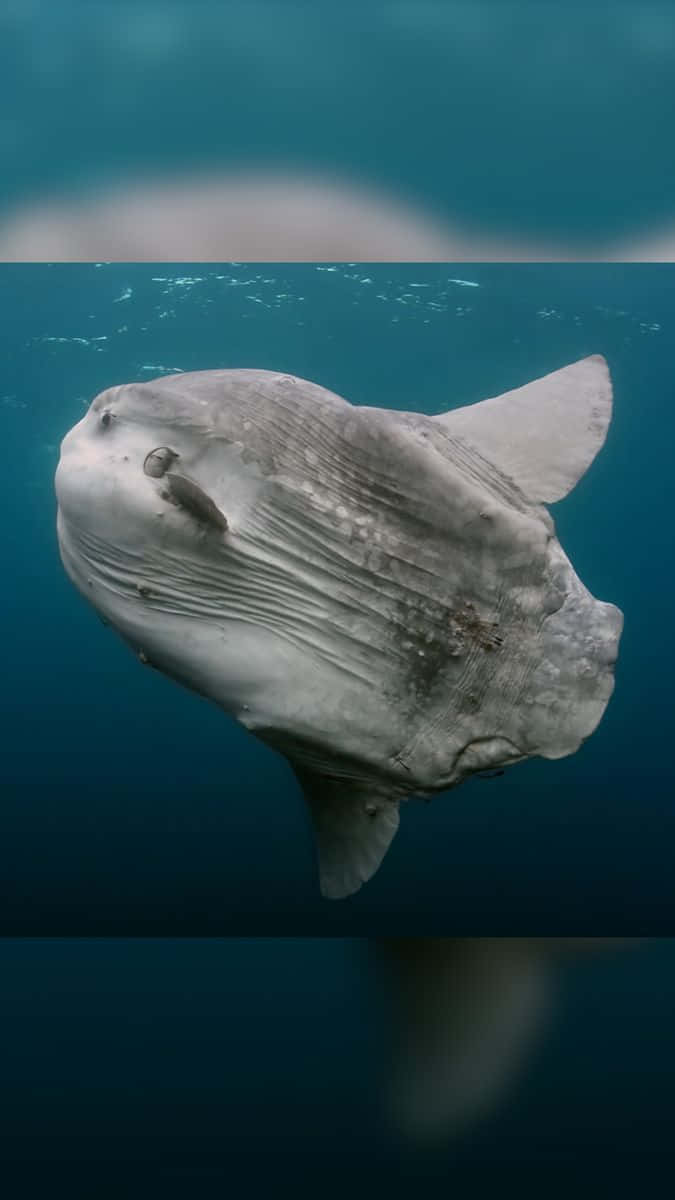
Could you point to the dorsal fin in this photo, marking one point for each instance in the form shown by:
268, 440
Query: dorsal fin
544, 435
353, 827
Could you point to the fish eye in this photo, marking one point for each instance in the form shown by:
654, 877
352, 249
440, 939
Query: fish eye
158, 461
106, 419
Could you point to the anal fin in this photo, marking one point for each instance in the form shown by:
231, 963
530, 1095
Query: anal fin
354, 824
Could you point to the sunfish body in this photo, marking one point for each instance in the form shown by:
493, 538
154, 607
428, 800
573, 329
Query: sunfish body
379, 595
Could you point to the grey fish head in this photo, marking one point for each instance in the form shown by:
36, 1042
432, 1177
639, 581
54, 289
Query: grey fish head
155, 488
378, 595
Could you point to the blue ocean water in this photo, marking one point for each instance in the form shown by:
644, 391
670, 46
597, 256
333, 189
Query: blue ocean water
130, 806
131, 1066
547, 120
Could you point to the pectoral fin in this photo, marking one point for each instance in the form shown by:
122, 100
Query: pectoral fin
353, 827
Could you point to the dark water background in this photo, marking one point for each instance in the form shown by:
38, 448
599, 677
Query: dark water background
130, 806
133, 1067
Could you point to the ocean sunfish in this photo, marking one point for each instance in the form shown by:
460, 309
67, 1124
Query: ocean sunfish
378, 595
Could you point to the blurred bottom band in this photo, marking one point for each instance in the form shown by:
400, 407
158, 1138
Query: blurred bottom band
458, 1057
